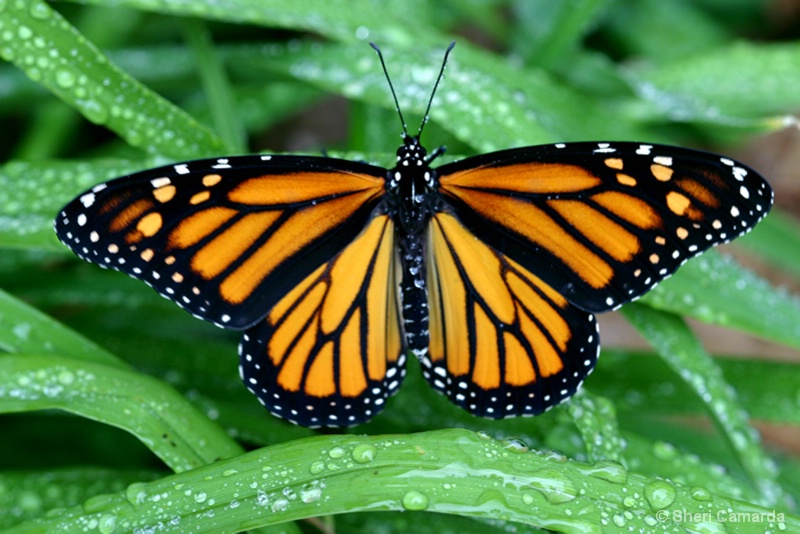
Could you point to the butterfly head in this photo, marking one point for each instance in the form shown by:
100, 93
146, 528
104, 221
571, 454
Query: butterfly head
412, 178
411, 153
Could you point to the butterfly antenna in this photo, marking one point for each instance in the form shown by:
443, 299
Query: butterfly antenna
391, 87
435, 87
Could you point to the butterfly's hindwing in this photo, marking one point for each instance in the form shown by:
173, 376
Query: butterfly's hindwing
224, 238
602, 223
331, 351
502, 342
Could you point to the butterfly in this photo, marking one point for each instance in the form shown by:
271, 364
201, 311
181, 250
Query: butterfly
489, 269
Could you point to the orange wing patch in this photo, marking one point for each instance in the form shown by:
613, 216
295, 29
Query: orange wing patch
502, 342
537, 178
334, 342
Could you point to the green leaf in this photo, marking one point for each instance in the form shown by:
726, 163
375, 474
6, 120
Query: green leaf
664, 30
551, 31
642, 382
34, 492
684, 354
25, 329
715, 289
441, 471
731, 83
335, 19
216, 84
777, 240
52, 53
596, 420
161, 418
528, 105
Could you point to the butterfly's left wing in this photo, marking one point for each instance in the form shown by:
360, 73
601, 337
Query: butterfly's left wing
503, 343
602, 223
331, 351
224, 238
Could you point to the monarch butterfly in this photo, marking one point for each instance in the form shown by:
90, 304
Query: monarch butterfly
488, 269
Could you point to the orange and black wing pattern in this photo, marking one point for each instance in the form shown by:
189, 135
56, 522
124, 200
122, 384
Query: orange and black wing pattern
603, 223
332, 350
225, 239
503, 343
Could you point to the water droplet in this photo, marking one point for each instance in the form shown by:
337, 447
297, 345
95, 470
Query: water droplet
66, 377
555, 487
415, 500
100, 503
664, 451
229, 472
136, 493
362, 32
364, 453
310, 493
280, 505
553, 456
39, 11
317, 467
107, 524
609, 471
484, 435
700, 494
262, 499
619, 520
93, 110
709, 527
515, 445
200, 496
660, 494
29, 502
23, 32
22, 330
337, 452
65, 79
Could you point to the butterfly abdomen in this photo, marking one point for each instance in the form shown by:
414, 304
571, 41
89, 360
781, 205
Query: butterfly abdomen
414, 294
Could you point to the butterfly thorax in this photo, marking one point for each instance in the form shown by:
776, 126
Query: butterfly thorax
411, 185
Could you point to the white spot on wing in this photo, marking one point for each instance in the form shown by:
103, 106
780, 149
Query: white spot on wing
87, 200
603, 148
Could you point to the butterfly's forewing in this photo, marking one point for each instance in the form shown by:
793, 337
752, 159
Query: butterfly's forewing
224, 238
502, 342
603, 223
331, 351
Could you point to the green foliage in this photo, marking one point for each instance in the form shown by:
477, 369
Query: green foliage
650, 441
